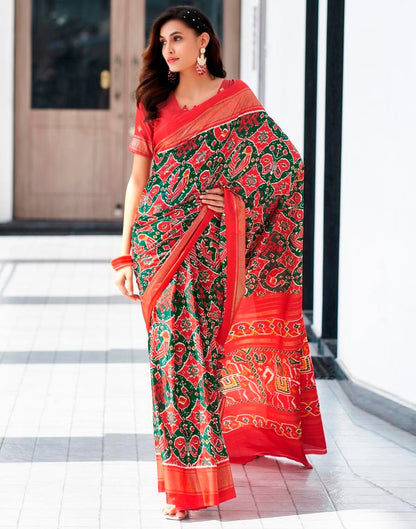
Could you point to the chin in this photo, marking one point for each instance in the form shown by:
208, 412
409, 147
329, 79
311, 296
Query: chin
173, 67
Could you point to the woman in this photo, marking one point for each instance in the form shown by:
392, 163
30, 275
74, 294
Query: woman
214, 238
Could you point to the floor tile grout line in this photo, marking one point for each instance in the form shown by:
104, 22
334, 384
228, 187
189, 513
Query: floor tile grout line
326, 489
53, 367
289, 492
361, 426
6, 281
111, 299
18, 390
252, 494
50, 376
133, 395
103, 426
67, 462
353, 472
367, 480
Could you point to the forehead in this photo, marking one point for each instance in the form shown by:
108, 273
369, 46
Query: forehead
173, 25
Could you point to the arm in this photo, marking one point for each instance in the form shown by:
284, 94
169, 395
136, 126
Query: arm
137, 182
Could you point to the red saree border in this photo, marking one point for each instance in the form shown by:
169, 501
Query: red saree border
260, 442
235, 230
269, 324
255, 322
224, 106
235, 234
195, 487
171, 264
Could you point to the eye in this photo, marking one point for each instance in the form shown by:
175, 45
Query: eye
162, 42
177, 37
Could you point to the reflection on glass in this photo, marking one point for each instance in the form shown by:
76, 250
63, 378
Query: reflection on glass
70, 49
212, 8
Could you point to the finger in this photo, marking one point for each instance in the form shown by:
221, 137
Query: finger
218, 210
130, 283
216, 204
210, 194
216, 190
133, 297
120, 283
130, 289
217, 198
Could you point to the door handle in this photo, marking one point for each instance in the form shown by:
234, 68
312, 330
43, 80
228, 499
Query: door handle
105, 79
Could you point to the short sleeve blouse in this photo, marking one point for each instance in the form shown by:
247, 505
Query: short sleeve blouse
141, 141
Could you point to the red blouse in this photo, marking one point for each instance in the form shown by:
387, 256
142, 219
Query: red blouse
142, 140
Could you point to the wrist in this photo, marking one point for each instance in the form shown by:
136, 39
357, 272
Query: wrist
122, 261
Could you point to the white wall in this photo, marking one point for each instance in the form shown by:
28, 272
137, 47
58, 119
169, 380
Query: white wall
6, 108
319, 170
285, 66
377, 294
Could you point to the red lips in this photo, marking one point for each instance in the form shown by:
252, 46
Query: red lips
172, 59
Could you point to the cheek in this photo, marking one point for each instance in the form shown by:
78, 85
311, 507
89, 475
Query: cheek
190, 53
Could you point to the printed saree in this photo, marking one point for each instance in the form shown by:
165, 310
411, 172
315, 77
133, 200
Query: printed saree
231, 371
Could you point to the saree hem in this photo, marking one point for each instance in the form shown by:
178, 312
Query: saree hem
184, 502
246, 445
195, 487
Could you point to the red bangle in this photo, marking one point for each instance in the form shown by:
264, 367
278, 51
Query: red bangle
123, 260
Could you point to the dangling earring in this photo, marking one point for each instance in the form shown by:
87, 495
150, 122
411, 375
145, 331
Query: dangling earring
201, 63
172, 76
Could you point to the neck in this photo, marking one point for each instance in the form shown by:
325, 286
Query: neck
191, 83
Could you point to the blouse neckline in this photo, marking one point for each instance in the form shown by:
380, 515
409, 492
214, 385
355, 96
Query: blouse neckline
186, 109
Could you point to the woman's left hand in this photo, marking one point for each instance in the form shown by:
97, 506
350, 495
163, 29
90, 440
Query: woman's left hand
214, 199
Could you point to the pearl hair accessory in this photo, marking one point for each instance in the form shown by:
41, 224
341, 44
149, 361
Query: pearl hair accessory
195, 19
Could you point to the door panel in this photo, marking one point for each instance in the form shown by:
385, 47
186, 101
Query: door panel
71, 101
76, 70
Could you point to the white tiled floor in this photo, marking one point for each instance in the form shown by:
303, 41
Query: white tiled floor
75, 417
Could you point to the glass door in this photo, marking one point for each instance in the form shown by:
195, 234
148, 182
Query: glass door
71, 54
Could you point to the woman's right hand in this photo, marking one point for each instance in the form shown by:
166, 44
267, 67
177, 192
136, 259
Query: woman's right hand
124, 282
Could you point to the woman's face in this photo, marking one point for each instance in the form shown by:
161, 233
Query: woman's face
180, 45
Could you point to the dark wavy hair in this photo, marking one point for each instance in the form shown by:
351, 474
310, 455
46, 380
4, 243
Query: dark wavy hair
154, 86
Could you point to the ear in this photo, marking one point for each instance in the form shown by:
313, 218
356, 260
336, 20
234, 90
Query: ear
204, 39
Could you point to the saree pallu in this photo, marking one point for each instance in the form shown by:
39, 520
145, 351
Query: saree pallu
231, 371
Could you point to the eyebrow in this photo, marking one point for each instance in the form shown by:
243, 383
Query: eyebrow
174, 33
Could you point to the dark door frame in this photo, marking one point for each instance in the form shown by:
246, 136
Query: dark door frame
333, 145
332, 170
309, 142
